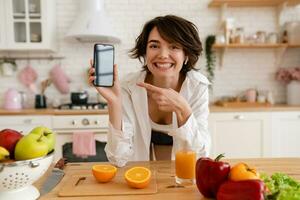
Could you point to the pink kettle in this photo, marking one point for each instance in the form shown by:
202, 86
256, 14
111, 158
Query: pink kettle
12, 100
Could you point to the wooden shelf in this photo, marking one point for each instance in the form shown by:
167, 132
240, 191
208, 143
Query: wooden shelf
258, 46
221, 46
294, 46
280, 49
252, 3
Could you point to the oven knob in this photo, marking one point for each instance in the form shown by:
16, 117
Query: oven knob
85, 122
97, 122
74, 122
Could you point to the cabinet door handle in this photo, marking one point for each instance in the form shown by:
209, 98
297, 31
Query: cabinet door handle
27, 121
239, 117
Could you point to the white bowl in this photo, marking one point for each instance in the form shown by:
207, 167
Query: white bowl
16, 178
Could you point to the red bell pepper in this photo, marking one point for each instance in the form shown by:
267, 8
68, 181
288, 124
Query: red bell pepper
242, 190
210, 174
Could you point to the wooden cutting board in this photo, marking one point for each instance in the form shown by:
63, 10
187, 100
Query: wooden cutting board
241, 104
86, 185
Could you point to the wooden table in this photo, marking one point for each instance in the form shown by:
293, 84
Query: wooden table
165, 177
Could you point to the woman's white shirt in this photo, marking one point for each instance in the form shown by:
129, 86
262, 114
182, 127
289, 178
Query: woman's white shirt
133, 142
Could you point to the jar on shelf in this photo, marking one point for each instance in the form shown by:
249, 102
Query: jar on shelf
229, 27
239, 35
272, 38
261, 37
220, 38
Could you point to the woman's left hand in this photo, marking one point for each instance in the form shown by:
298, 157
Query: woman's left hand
169, 100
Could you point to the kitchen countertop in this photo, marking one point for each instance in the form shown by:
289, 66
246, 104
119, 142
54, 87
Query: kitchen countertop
213, 109
165, 171
51, 111
273, 108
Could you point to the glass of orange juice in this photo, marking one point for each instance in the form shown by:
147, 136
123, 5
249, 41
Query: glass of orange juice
185, 163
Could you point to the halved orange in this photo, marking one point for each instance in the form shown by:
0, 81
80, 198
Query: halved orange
138, 177
104, 173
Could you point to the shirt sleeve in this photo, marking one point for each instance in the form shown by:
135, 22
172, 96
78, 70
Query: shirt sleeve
194, 133
119, 147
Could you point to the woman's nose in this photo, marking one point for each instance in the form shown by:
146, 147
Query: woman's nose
163, 53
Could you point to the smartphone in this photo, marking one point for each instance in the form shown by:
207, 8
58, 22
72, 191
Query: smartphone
104, 65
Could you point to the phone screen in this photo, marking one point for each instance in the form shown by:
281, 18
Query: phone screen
104, 65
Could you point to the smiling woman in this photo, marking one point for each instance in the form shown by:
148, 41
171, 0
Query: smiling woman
177, 32
165, 104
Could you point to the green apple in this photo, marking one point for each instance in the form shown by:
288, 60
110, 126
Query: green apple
47, 133
31, 146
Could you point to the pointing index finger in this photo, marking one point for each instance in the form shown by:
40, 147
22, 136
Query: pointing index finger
150, 87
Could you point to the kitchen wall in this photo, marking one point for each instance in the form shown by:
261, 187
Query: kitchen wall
242, 68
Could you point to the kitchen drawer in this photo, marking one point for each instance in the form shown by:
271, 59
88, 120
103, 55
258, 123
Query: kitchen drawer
80, 122
24, 123
24, 120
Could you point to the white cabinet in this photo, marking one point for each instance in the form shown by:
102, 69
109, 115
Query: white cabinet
25, 123
2, 25
286, 134
240, 135
27, 25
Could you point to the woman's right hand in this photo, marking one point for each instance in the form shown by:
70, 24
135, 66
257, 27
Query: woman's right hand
111, 94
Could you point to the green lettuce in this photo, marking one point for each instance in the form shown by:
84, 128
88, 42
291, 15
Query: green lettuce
281, 187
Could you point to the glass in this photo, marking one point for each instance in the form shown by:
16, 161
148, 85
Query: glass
34, 9
185, 163
272, 38
239, 35
261, 37
19, 8
40, 101
35, 32
20, 31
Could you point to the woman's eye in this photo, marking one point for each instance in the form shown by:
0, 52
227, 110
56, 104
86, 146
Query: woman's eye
153, 46
175, 47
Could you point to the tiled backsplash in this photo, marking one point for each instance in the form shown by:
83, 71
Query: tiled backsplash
242, 68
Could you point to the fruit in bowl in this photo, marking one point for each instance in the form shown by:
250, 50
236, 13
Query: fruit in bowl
31, 146
4, 154
38, 143
9, 139
33, 153
47, 133
104, 173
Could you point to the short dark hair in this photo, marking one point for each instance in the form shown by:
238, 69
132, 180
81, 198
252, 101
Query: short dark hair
172, 29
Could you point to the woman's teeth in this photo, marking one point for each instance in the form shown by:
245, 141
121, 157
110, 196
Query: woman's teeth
163, 65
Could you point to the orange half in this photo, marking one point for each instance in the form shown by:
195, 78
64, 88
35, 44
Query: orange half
104, 173
138, 177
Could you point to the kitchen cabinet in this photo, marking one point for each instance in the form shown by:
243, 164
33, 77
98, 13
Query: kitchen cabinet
27, 25
2, 24
240, 134
25, 123
285, 134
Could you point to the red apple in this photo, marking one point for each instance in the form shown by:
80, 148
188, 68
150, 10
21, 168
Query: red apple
9, 139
